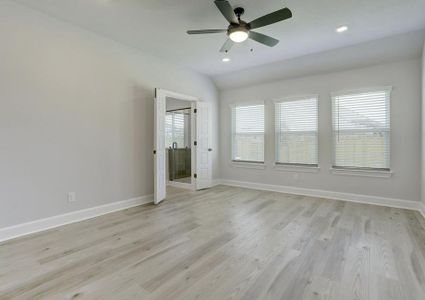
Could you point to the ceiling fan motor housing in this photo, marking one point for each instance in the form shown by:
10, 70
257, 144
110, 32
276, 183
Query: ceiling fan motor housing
242, 26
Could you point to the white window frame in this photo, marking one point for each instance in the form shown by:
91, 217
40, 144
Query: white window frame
246, 163
362, 171
296, 167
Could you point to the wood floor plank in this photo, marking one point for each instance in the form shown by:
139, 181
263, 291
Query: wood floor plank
224, 243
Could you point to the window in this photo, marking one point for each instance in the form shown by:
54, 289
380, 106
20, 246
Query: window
248, 133
175, 129
296, 131
361, 129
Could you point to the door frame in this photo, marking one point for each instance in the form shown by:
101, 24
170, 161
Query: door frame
162, 94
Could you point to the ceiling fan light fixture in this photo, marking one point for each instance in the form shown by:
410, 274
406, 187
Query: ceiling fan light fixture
238, 35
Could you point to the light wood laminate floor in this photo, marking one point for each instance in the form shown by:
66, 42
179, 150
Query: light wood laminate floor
224, 243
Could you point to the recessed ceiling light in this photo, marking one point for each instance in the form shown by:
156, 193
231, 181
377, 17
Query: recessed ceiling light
341, 29
226, 59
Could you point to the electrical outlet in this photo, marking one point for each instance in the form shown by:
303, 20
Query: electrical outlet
72, 197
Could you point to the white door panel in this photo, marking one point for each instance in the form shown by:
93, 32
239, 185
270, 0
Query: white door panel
159, 144
204, 147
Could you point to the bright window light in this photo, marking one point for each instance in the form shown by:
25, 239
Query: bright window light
361, 129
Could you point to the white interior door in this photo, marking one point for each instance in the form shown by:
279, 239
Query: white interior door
204, 147
159, 144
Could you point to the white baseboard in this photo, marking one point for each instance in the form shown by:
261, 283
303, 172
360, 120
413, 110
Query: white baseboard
422, 209
216, 182
366, 199
15, 231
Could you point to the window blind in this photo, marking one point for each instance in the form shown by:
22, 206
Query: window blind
175, 129
248, 133
361, 126
296, 131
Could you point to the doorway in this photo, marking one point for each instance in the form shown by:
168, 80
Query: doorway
178, 143
182, 141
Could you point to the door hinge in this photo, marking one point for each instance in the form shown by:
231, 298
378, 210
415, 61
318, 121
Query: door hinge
195, 111
195, 175
195, 143
154, 152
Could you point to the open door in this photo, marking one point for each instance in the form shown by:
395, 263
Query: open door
159, 147
204, 147
200, 132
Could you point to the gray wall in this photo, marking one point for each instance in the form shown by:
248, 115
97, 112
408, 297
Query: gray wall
77, 116
404, 76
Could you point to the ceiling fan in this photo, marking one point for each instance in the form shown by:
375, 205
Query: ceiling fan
238, 30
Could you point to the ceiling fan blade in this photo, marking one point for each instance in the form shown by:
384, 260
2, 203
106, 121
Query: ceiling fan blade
271, 18
203, 31
227, 45
227, 11
263, 39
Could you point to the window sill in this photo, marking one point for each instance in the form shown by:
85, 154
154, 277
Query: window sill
248, 165
364, 173
296, 168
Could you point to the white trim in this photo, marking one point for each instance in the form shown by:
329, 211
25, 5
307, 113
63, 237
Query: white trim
387, 89
296, 168
296, 98
216, 182
359, 172
247, 103
15, 231
179, 96
19, 230
247, 165
422, 209
366, 199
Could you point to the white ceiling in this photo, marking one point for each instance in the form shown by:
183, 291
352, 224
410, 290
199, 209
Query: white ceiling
159, 26
386, 50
